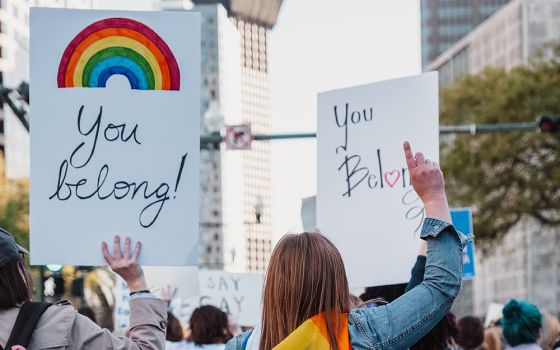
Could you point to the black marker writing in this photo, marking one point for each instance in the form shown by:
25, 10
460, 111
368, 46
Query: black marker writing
111, 133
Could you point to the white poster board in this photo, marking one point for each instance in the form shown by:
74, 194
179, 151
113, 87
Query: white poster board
114, 134
237, 294
365, 201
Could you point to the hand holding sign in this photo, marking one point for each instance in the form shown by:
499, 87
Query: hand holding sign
126, 265
427, 180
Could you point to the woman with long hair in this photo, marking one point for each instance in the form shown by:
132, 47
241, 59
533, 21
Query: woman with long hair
306, 302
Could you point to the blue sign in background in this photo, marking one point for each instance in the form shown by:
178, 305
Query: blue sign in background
462, 220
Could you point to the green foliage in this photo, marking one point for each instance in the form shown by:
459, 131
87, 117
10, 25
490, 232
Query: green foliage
504, 177
14, 207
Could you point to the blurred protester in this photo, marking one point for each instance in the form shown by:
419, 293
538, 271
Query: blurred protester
174, 332
521, 324
305, 297
441, 337
28, 325
444, 333
209, 328
355, 301
550, 335
388, 292
471, 333
493, 339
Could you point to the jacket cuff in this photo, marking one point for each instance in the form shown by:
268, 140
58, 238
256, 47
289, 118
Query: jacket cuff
148, 311
433, 227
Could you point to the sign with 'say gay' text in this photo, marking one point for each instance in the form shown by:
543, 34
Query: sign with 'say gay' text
114, 134
365, 201
237, 294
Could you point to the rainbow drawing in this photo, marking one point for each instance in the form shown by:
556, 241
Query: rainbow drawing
118, 46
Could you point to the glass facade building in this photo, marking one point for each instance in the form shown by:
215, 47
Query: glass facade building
444, 22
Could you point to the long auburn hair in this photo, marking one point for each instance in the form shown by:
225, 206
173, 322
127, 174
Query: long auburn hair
305, 277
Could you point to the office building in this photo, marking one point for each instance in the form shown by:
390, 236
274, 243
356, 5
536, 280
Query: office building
236, 230
444, 22
525, 265
507, 39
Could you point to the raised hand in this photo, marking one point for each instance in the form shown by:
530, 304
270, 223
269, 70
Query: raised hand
427, 180
125, 264
168, 293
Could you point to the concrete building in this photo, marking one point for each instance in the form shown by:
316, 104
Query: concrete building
507, 39
525, 265
444, 22
250, 172
221, 172
236, 230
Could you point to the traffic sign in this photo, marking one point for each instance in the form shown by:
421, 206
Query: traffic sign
462, 220
238, 137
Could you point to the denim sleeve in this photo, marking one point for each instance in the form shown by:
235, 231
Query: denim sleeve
417, 274
403, 322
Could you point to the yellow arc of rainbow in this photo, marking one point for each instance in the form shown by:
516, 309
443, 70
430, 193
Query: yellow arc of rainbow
112, 42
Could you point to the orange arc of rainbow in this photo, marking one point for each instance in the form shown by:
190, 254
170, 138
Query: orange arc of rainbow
154, 55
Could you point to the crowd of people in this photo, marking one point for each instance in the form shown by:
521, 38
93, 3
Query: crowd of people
306, 300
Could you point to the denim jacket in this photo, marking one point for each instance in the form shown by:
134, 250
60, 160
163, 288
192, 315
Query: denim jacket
403, 322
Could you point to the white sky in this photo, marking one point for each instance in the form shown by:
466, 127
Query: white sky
320, 45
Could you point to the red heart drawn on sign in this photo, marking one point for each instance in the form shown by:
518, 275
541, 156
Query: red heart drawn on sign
392, 177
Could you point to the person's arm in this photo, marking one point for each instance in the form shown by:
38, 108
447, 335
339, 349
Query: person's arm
417, 274
404, 321
148, 314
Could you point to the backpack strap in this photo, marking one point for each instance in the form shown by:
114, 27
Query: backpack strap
27, 319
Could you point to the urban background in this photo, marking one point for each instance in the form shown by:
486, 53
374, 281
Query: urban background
498, 62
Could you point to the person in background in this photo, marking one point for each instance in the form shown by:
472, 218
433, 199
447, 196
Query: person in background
521, 325
59, 326
209, 328
471, 333
492, 339
174, 332
550, 339
306, 296
444, 333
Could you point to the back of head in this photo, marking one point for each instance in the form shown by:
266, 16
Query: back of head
471, 332
305, 277
15, 283
174, 329
209, 325
550, 331
521, 322
440, 337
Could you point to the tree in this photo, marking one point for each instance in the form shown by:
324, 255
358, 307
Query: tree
504, 177
14, 206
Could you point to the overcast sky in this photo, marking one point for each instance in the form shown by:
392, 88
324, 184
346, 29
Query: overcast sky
321, 45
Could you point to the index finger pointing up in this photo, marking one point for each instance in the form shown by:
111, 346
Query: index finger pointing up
410, 161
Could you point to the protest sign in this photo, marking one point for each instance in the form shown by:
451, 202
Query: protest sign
309, 213
115, 137
365, 201
462, 220
237, 294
